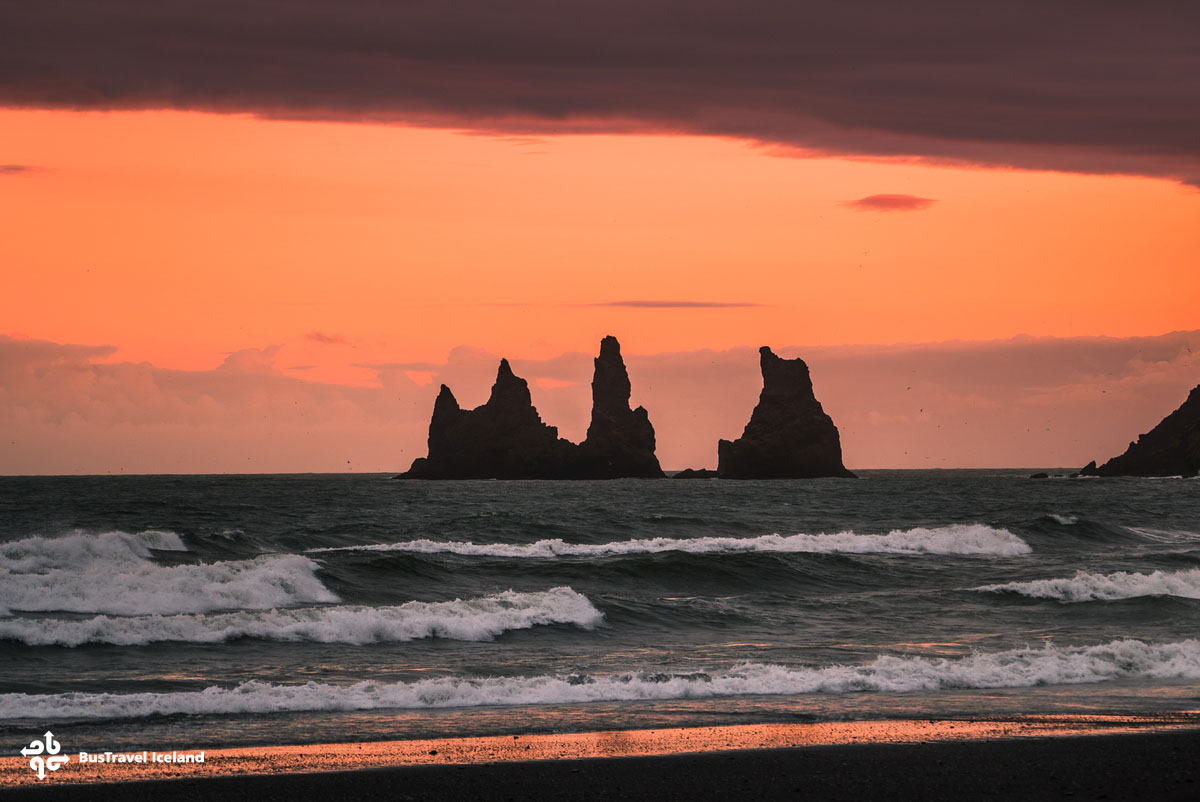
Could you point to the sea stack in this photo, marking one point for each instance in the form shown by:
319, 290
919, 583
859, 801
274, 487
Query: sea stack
503, 439
620, 440
1172, 448
507, 439
789, 436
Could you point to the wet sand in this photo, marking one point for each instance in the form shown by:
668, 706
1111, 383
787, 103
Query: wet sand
1028, 758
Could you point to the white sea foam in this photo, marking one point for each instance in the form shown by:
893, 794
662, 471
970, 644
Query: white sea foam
34, 554
478, 619
1065, 520
113, 572
146, 588
1016, 668
1085, 587
967, 539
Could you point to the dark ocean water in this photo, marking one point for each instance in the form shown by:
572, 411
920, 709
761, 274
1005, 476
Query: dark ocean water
179, 612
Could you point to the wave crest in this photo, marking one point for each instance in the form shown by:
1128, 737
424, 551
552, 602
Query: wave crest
1014, 668
962, 539
146, 588
1084, 586
478, 619
1164, 535
114, 573
37, 553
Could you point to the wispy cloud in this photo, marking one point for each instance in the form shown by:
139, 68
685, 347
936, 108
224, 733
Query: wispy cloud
252, 360
657, 304
891, 203
416, 366
16, 169
326, 339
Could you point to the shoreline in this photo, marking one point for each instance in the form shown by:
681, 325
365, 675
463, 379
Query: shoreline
506, 753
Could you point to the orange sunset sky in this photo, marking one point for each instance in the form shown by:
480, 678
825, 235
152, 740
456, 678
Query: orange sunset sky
273, 269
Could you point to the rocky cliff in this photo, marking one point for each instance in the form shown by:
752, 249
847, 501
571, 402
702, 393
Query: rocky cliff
1172, 448
507, 439
789, 436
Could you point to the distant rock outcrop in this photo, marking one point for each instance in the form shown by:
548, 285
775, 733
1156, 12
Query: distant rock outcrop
695, 473
503, 439
620, 440
1172, 448
507, 439
789, 436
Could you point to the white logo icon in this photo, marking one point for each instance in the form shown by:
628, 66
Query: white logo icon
50, 747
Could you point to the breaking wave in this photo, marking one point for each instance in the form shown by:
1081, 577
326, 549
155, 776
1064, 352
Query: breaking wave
478, 619
34, 554
965, 539
1084, 587
113, 572
1015, 668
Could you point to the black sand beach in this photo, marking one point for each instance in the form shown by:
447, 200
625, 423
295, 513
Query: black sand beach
1159, 766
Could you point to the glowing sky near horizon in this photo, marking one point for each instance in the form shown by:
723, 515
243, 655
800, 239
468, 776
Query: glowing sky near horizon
180, 237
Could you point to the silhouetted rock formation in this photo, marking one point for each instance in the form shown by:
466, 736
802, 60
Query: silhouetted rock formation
696, 473
503, 439
789, 436
507, 439
620, 440
1172, 448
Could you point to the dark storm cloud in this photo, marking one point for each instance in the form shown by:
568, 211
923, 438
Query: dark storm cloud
1081, 86
677, 304
891, 203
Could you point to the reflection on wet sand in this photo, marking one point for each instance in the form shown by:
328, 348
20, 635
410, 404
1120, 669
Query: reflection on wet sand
572, 746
